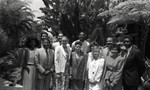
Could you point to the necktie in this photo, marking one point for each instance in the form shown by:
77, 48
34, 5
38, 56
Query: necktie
47, 58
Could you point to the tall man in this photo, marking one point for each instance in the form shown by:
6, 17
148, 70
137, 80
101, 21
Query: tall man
134, 66
85, 44
44, 61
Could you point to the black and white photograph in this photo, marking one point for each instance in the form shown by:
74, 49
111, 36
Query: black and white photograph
74, 44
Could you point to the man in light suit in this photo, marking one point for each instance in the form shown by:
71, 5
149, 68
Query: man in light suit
134, 66
44, 62
62, 56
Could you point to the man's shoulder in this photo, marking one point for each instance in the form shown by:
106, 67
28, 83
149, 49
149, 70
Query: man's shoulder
135, 49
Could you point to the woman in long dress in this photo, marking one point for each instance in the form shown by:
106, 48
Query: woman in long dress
96, 70
29, 69
78, 67
114, 68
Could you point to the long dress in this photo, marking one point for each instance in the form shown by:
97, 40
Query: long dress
78, 64
95, 73
29, 78
114, 69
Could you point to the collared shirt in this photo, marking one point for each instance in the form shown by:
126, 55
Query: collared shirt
129, 49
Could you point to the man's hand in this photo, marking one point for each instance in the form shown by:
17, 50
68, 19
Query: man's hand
52, 70
57, 75
111, 84
93, 82
26, 68
107, 83
46, 72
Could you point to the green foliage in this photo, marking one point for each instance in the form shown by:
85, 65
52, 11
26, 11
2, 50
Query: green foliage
15, 21
73, 16
14, 17
131, 12
7, 65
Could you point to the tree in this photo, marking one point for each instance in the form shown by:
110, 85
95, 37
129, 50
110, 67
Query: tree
15, 22
74, 16
131, 12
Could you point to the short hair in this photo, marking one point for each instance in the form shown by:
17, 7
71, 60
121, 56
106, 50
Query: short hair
78, 43
93, 44
60, 33
65, 37
115, 45
96, 47
29, 39
83, 33
129, 37
50, 44
110, 37
43, 32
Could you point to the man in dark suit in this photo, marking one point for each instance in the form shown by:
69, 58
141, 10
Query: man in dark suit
134, 65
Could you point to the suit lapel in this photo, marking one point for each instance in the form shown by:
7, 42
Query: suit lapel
130, 54
63, 51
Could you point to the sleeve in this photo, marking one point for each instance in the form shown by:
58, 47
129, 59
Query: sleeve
88, 47
140, 63
53, 65
89, 56
56, 59
118, 73
73, 46
37, 64
22, 58
71, 64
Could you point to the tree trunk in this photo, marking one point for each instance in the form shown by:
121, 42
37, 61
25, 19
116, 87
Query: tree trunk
145, 39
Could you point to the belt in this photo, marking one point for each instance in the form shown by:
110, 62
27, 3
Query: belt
30, 64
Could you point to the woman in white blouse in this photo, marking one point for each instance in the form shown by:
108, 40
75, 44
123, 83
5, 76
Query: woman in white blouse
95, 69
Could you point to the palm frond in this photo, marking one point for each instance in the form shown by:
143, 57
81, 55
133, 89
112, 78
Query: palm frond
127, 12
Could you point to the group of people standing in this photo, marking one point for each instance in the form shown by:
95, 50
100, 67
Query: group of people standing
82, 65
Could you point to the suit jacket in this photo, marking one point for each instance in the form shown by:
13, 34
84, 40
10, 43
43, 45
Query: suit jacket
78, 65
44, 61
134, 68
61, 58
